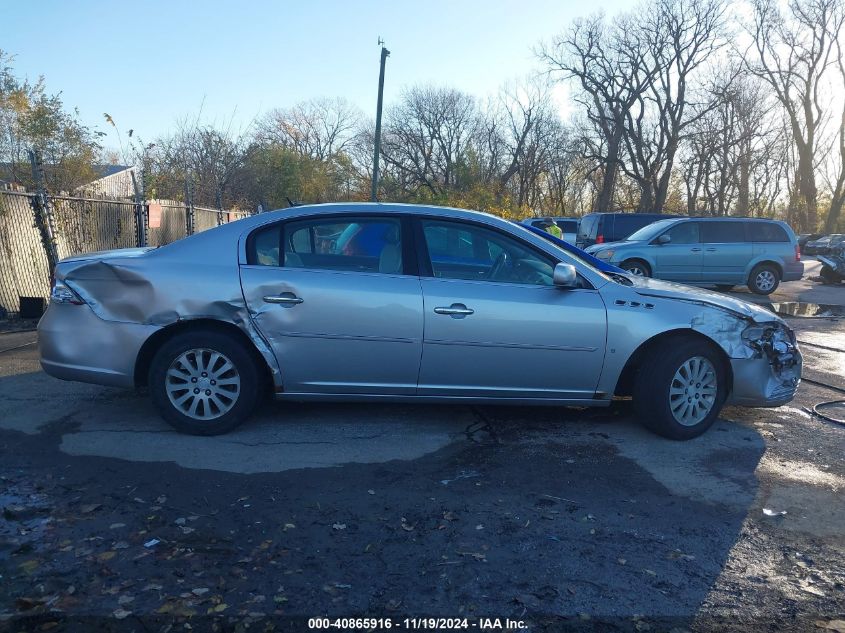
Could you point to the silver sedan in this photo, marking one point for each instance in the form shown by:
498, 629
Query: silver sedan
375, 302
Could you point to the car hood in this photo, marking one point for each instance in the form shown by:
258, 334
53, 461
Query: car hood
667, 290
116, 252
596, 248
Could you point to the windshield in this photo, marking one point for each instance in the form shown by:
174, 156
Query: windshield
572, 251
650, 231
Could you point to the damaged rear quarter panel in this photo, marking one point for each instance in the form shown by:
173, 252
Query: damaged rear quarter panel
195, 278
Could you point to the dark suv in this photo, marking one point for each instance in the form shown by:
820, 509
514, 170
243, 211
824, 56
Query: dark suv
600, 228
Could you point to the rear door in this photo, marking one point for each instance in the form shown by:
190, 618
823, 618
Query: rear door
681, 258
727, 251
500, 328
339, 301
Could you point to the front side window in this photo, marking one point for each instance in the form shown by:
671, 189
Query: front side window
465, 251
347, 244
684, 233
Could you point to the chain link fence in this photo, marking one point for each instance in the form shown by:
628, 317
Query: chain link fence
84, 225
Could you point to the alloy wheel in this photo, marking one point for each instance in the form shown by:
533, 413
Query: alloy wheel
203, 384
692, 392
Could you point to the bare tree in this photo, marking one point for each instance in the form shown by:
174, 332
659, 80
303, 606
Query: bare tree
319, 128
608, 63
426, 136
682, 35
792, 53
837, 185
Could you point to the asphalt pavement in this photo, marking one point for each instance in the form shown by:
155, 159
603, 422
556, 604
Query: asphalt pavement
556, 518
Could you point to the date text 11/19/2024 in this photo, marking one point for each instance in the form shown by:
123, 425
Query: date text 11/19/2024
435, 624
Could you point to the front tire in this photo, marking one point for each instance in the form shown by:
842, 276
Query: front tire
764, 279
680, 388
204, 382
636, 267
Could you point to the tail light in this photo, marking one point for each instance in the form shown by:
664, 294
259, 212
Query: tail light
599, 239
797, 253
62, 293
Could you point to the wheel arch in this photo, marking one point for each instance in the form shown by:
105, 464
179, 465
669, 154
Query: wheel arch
763, 261
637, 257
160, 337
625, 382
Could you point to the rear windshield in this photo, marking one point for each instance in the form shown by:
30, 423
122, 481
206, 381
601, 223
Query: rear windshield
765, 232
588, 226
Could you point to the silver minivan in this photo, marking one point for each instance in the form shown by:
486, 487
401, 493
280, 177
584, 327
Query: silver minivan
724, 252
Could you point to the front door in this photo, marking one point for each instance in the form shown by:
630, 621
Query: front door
680, 258
495, 326
332, 298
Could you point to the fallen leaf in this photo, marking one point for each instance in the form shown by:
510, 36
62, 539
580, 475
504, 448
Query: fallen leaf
199, 591
104, 556
339, 526
29, 566
449, 516
115, 526
220, 608
621, 561
90, 507
838, 626
125, 600
121, 614
289, 526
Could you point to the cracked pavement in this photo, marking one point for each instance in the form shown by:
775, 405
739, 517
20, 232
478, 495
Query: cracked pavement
561, 518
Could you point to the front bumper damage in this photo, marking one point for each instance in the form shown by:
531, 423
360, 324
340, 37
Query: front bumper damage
765, 360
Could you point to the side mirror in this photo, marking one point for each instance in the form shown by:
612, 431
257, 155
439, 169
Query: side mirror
565, 276
664, 239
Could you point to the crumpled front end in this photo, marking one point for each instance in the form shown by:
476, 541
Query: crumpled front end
770, 377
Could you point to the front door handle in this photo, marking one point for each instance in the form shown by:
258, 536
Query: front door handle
711, 250
695, 250
286, 298
456, 310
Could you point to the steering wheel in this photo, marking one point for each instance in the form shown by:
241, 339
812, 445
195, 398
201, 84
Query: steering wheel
498, 265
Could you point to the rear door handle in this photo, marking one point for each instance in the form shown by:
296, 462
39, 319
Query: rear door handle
711, 250
456, 310
286, 298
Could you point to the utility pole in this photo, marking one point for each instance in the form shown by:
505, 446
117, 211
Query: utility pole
384, 54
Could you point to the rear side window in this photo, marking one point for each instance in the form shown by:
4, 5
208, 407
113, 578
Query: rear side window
567, 226
348, 244
625, 224
722, 232
765, 232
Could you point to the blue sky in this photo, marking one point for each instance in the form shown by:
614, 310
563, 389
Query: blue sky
150, 63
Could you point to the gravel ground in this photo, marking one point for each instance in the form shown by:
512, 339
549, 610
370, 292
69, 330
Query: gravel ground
558, 519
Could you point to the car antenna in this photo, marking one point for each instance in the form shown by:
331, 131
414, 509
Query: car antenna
291, 202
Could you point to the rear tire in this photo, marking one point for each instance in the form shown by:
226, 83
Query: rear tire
680, 388
764, 279
204, 382
636, 267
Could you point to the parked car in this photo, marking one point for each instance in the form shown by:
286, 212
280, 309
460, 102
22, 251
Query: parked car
601, 228
568, 226
803, 238
602, 265
213, 321
725, 252
822, 245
